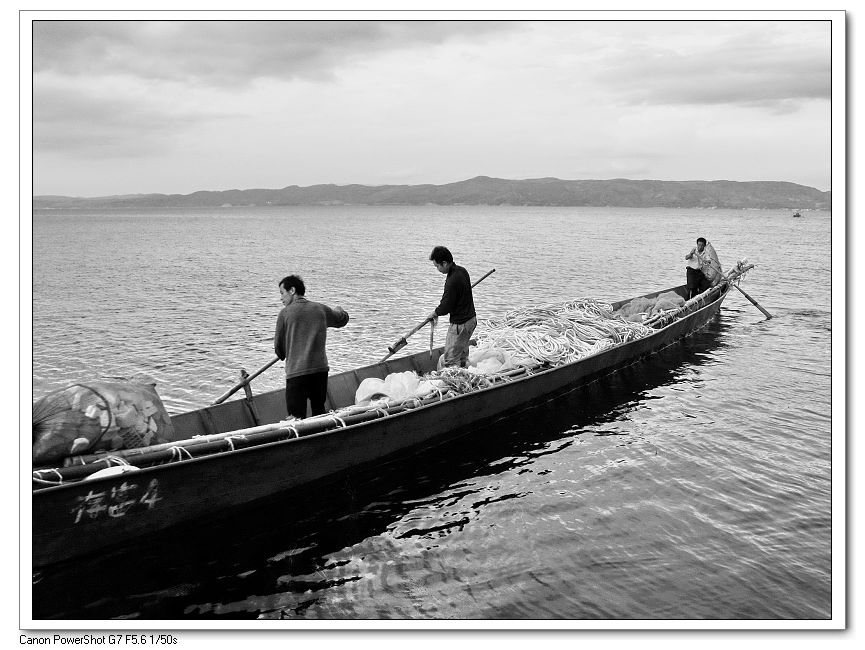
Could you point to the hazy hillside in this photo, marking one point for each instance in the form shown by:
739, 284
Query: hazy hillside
483, 190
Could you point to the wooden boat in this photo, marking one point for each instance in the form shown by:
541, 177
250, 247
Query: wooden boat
238, 452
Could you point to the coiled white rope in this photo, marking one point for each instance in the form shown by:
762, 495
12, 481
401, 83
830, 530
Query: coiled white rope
561, 333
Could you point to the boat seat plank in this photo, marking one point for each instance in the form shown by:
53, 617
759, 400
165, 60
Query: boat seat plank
193, 423
341, 390
271, 406
227, 418
376, 371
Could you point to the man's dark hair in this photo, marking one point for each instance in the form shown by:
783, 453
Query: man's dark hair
441, 254
295, 281
701, 239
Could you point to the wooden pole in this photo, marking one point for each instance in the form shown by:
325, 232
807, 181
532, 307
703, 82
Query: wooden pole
402, 341
431, 338
753, 302
742, 291
243, 382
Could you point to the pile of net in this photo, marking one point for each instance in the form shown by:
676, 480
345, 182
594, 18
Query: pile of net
98, 416
524, 338
559, 333
640, 309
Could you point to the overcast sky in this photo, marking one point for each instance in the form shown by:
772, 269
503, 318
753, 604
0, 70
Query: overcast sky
175, 107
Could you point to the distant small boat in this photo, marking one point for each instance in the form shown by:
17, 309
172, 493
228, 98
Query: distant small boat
796, 214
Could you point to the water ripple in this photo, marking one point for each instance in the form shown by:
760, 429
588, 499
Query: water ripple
693, 485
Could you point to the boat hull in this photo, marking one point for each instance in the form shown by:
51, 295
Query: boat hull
80, 518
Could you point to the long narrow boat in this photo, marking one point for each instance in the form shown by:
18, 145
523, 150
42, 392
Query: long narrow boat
240, 452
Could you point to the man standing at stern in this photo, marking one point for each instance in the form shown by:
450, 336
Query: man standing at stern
703, 268
301, 336
458, 302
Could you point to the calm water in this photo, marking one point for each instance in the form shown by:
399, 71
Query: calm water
695, 485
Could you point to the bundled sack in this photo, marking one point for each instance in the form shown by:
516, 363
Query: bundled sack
488, 361
396, 386
639, 309
98, 416
636, 308
711, 265
668, 300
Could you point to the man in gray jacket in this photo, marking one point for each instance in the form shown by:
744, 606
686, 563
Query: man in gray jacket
300, 339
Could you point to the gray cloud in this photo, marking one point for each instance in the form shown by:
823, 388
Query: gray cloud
748, 71
99, 125
231, 52
148, 97
78, 63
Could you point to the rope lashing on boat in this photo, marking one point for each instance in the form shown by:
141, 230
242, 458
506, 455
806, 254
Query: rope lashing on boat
230, 440
37, 476
109, 461
177, 454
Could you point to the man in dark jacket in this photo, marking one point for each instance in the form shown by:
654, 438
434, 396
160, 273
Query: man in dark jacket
301, 335
458, 302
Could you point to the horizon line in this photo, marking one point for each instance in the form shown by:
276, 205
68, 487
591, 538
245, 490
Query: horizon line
473, 178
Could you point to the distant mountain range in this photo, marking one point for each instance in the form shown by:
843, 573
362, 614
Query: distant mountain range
483, 190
